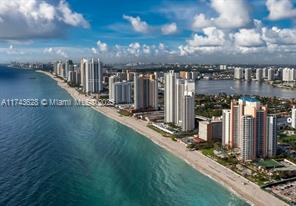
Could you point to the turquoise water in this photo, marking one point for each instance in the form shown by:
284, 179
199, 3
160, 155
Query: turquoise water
76, 156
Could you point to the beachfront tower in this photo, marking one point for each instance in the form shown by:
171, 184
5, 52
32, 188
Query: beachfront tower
188, 115
94, 76
145, 92
248, 111
271, 135
226, 113
247, 149
83, 66
169, 96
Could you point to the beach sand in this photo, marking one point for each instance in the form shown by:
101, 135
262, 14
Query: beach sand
239, 185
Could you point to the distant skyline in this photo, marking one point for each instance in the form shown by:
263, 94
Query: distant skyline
160, 31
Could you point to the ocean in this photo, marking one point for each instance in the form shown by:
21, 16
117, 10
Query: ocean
76, 156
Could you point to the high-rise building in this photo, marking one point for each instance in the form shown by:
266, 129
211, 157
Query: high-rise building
193, 75
169, 96
60, 69
129, 75
259, 74
247, 146
265, 73
279, 74
112, 80
94, 76
71, 77
78, 77
153, 90
145, 92
271, 135
261, 138
56, 69
238, 73
188, 115
246, 113
182, 87
248, 73
69, 66
293, 123
288, 75
236, 113
190, 86
270, 76
83, 68
122, 92
226, 113
179, 101
179, 92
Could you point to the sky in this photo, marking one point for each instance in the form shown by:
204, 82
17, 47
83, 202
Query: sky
154, 31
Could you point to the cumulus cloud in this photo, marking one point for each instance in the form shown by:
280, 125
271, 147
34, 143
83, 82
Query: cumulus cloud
94, 50
138, 51
231, 14
260, 40
137, 24
279, 36
212, 37
146, 49
134, 48
211, 40
248, 38
169, 29
58, 52
280, 9
69, 17
161, 46
103, 47
13, 51
27, 19
201, 21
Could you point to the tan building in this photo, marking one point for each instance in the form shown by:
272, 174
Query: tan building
209, 130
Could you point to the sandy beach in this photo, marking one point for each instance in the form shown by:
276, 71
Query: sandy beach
234, 182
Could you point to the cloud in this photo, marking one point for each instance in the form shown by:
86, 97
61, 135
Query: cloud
57, 52
137, 24
248, 38
231, 14
103, 47
200, 21
178, 10
146, 49
212, 37
11, 50
134, 48
279, 36
28, 19
280, 9
161, 46
169, 29
69, 17
94, 50
211, 40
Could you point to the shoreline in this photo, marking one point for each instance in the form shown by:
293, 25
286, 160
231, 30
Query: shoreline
236, 184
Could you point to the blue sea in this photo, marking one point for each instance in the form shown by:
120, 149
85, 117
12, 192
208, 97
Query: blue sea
76, 156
